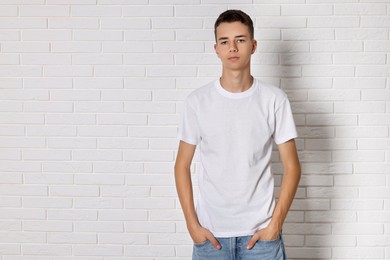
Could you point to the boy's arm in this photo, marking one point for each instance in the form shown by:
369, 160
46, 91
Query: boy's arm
184, 190
291, 177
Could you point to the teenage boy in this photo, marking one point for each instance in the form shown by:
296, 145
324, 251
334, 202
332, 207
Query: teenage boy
235, 120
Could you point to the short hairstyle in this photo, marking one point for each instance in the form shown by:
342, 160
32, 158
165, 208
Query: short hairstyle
231, 16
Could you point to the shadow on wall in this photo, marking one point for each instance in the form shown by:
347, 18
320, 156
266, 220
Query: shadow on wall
305, 225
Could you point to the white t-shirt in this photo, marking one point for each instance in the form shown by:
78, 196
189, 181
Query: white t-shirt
235, 132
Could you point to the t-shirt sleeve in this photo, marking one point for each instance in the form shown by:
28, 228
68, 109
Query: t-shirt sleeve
284, 123
189, 127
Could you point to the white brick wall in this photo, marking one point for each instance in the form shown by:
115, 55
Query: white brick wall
91, 93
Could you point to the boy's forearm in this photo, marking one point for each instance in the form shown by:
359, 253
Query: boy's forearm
185, 193
287, 192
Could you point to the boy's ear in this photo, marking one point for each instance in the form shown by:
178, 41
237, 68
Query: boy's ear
215, 49
254, 46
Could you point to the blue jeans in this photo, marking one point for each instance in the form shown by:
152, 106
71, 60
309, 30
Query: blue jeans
234, 248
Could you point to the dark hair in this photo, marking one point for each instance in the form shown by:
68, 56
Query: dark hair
230, 16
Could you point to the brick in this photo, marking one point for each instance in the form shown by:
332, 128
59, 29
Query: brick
360, 9
22, 214
358, 252
95, 11
149, 227
177, 23
119, 71
309, 253
281, 22
147, 251
359, 83
94, 155
123, 215
307, 228
331, 241
73, 167
23, 23
357, 228
336, 46
361, 34
358, 156
100, 203
361, 131
101, 35
49, 11
68, 71
72, 214
20, 71
359, 180
10, 155
149, 11
328, 71
74, 191
151, 180
72, 143
47, 226
118, 167
47, 155
374, 144
330, 216
122, 143
307, 34
330, 144
310, 204
126, 95
23, 190
72, 47
43, 59
361, 204
128, 239
145, 156
376, 95
20, 166
99, 179
375, 119
307, 10
374, 193
96, 59
359, 58
73, 23
47, 83
149, 59
375, 22
333, 22
100, 131
375, 168
373, 71
294, 59
329, 120
97, 107
47, 203
54, 250
99, 226
147, 203
71, 238
71, 119
178, 47
363, 107
129, 46
332, 192
51, 131
47, 178
125, 23
376, 46
98, 83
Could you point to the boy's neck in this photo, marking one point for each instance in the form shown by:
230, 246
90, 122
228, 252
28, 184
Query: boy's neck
236, 81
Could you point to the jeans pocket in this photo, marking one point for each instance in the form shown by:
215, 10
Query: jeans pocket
201, 243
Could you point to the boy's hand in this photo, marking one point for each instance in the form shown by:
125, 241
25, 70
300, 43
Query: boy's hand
266, 234
200, 235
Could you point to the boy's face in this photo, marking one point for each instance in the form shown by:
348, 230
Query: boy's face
234, 45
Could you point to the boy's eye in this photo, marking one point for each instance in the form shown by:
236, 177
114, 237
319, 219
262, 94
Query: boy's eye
224, 42
241, 40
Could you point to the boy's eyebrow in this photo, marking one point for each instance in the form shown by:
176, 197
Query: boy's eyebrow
226, 38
